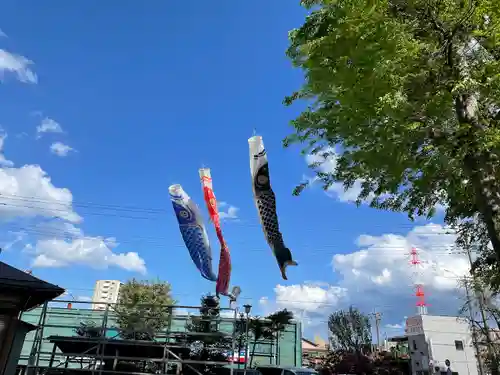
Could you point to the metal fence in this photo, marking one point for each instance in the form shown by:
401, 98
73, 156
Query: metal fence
75, 337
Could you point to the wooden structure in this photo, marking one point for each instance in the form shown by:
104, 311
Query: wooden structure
19, 292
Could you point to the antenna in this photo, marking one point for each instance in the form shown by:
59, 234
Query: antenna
418, 285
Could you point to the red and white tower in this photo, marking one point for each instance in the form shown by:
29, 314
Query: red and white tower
417, 282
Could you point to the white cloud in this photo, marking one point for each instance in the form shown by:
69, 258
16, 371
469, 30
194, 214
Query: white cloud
52, 228
96, 252
60, 149
337, 190
328, 165
48, 125
2, 34
311, 297
306, 301
27, 193
17, 65
230, 212
378, 275
3, 161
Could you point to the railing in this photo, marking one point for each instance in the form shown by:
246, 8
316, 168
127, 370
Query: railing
168, 349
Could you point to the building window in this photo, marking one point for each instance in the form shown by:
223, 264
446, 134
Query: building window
459, 345
414, 345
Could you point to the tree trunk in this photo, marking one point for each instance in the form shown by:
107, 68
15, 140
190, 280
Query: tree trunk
483, 179
479, 167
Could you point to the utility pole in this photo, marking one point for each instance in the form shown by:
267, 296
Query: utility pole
474, 330
479, 294
480, 297
378, 318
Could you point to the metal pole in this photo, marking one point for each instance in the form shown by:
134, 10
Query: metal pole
480, 297
377, 327
102, 339
246, 343
233, 344
474, 332
295, 345
167, 338
240, 338
278, 350
44, 314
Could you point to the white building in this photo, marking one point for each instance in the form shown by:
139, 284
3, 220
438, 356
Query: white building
440, 345
105, 291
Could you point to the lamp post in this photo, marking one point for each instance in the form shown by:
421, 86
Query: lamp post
240, 338
247, 308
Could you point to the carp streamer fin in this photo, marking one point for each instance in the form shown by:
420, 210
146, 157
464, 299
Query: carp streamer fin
265, 200
193, 231
222, 286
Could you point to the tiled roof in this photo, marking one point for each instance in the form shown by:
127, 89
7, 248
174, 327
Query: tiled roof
33, 290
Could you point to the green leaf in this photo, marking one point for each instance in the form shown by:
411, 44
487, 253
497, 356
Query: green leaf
409, 91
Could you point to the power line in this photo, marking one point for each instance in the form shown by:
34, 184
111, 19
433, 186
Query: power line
119, 210
276, 301
162, 243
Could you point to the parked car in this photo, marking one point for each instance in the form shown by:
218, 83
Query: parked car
249, 371
286, 370
236, 371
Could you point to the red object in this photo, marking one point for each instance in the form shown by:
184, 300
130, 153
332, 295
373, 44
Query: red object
209, 196
69, 305
224, 276
237, 358
419, 292
414, 257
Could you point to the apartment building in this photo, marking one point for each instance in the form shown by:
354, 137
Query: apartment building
440, 345
105, 291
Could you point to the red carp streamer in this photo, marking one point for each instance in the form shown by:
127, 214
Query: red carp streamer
224, 277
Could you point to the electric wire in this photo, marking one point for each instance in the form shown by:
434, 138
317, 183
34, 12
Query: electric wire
157, 241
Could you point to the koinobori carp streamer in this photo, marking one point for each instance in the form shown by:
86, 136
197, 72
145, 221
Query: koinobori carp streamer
193, 231
265, 200
224, 277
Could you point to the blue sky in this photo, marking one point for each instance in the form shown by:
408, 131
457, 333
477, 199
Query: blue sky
145, 95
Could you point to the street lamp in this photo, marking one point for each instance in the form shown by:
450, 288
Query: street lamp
247, 308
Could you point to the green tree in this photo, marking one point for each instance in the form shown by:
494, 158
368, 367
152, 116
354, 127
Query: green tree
404, 96
350, 331
269, 328
207, 339
144, 308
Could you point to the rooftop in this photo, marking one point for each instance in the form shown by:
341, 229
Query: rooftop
23, 291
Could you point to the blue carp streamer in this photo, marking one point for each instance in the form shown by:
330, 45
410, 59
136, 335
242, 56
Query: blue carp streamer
193, 231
